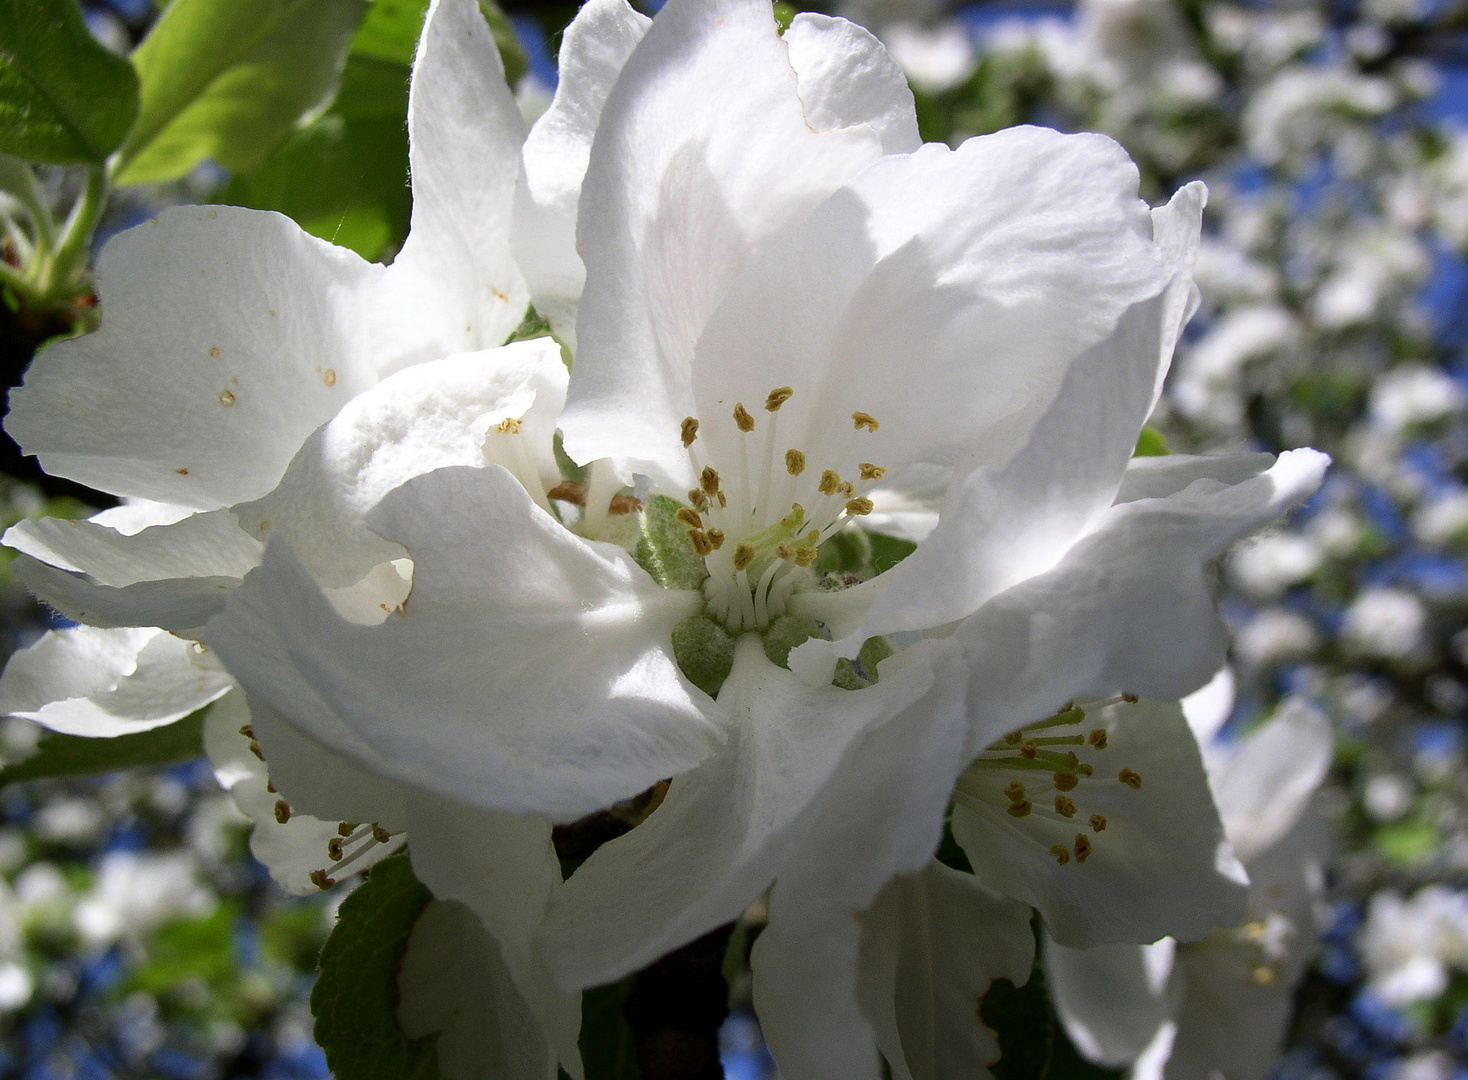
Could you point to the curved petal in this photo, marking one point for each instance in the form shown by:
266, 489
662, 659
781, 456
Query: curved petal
552, 686
846, 78
1164, 829
1005, 523
426, 417
454, 981
1130, 606
228, 336
721, 833
503, 868
101, 683
454, 287
930, 948
1265, 785
880, 814
1113, 999
291, 845
1159, 477
595, 46
686, 178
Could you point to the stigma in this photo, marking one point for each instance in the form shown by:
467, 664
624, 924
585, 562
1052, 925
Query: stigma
759, 521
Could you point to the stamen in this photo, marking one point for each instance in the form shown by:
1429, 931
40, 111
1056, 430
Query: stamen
794, 462
859, 507
743, 556
1098, 739
508, 426
1098, 822
702, 544
716, 538
805, 556
247, 731
1064, 806
690, 431
871, 472
321, 881
865, 420
1130, 779
1130, 699
334, 848
1061, 853
1015, 791
778, 397
689, 518
830, 482
699, 498
1065, 781
742, 420
1020, 809
346, 828
380, 834
1083, 847
282, 811
709, 480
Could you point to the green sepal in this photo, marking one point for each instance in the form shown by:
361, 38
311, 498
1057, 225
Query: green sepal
533, 325
888, 551
355, 997
608, 1047
665, 551
784, 634
1151, 443
847, 552
704, 651
64, 98
862, 672
231, 80
76, 755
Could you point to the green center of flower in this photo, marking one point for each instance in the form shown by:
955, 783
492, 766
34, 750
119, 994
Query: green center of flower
759, 526
1037, 773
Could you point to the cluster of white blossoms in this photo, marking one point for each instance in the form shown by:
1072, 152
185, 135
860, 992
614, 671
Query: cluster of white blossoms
444, 593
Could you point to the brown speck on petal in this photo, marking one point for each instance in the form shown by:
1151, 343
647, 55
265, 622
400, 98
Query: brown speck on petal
214, 350
226, 398
330, 377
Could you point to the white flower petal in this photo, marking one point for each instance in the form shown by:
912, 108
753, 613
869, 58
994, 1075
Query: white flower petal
229, 336
1167, 829
1113, 999
880, 814
291, 849
455, 287
101, 683
454, 981
552, 687
503, 868
685, 181
931, 945
716, 840
595, 46
1265, 785
846, 78
426, 417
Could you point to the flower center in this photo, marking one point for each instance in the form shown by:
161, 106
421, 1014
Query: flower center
759, 523
1008, 775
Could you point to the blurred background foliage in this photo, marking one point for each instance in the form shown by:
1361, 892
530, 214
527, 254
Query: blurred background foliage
138, 938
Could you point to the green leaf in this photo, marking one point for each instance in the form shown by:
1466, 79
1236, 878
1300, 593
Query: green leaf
1151, 443
200, 950
74, 755
355, 997
230, 79
608, 1048
63, 97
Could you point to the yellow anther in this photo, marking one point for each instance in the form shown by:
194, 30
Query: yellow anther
508, 426
701, 542
1084, 770
282, 811
785, 550
690, 430
864, 420
270, 787
346, 828
778, 397
255, 749
847, 488
1263, 975
380, 834
247, 731
699, 498
1130, 699
723, 501
1083, 847
742, 420
830, 482
321, 881
1098, 823
858, 507
1065, 781
226, 398
793, 519
1097, 738
1027, 749
1130, 779
1015, 791
1061, 853
709, 480
1064, 807
805, 556
334, 848
1072, 760
716, 538
1014, 738
871, 472
689, 518
794, 462
1020, 809
743, 556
